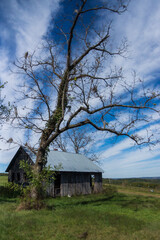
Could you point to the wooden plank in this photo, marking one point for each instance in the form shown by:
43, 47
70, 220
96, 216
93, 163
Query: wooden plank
72, 184
98, 182
64, 184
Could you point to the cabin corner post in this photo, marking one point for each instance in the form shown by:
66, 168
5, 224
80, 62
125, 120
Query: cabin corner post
97, 183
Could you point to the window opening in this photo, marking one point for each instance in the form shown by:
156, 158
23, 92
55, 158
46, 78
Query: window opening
18, 177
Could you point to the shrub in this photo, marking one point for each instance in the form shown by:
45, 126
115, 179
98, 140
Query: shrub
34, 194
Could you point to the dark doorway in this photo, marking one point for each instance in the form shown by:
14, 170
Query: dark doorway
92, 181
57, 184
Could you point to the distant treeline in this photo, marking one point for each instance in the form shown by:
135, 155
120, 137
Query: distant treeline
153, 183
3, 174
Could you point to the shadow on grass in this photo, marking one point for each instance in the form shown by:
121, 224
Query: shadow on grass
103, 200
130, 202
99, 199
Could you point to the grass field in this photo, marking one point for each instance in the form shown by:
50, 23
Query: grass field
136, 190
93, 217
3, 180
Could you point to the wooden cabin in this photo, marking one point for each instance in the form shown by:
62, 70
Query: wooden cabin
76, 174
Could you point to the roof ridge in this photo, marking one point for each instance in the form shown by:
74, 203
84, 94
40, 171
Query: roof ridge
67, 152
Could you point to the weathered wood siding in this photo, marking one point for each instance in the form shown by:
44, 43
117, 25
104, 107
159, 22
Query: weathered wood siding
97, 182
75, 183
15, 170
50, 190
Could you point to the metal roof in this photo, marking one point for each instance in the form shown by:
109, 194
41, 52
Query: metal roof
71, 162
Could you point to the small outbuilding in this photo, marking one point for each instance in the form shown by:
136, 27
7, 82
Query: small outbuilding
76, 174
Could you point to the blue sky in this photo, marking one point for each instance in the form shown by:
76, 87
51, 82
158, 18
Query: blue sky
22, 26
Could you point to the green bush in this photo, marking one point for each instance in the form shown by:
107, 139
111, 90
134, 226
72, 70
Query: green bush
34, 194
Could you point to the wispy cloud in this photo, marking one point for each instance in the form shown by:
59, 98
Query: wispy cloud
140, 26
124, 159
135, 163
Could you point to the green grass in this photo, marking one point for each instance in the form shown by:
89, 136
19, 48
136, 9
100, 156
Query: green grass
119, 217
140, 190
3, 180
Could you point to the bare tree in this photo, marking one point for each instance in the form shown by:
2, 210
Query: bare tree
76, 141
4, 109
70, 84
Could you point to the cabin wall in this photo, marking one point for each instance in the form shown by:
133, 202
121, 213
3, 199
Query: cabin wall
50, 191
97, 182
16, 174
75, 183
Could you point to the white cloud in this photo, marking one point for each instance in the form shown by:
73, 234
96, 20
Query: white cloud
135, 163
30, 20
122, 160
140, 25
6, 156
